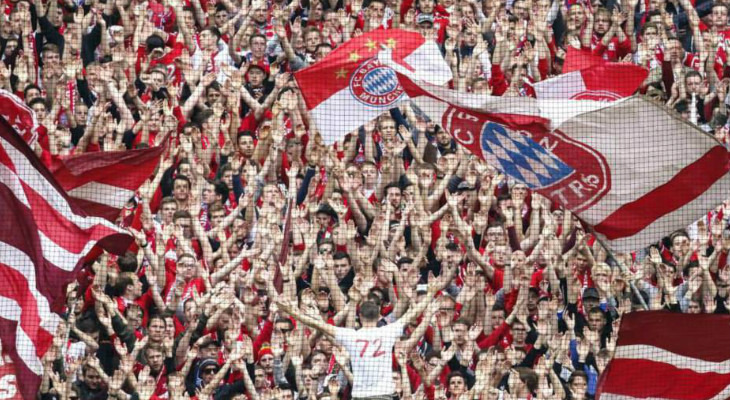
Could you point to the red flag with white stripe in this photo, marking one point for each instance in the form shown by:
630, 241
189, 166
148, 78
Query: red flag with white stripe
353, 87
101, 183
43, 238
19, 116
605, 82
615, 172
665, 355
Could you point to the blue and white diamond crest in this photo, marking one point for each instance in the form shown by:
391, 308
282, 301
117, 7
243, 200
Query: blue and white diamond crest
522, 158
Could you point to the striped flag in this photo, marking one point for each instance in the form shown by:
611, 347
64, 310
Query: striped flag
101, 183
43, 238
605, 162
605, 82
665, 355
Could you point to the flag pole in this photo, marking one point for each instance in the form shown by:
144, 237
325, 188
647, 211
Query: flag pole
623, 268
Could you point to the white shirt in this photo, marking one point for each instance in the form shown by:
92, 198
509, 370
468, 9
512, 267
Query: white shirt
371, 356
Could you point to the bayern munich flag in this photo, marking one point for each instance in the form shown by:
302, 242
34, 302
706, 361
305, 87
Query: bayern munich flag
665, 355
350, 87
629, 168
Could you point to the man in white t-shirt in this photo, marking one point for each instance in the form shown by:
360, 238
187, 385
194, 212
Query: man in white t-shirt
370, 347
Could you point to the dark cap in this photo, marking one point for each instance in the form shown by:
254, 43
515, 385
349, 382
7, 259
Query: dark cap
591, 293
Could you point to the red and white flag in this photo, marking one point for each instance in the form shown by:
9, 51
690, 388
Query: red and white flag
665, 355
19, 116
43, 238
350, 87
606, 162
604, 82
101, 183
578, 59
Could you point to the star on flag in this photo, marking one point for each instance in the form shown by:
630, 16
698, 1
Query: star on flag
341, 73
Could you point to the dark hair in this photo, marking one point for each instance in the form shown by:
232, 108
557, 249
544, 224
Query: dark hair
528, 377
183, 178
30, 87
127, 262
154, 42
221, 189
369, 311
340, 255
38, 100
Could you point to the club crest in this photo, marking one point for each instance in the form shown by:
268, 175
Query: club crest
375, 85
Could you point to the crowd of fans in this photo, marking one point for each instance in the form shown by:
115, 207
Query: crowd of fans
250, 218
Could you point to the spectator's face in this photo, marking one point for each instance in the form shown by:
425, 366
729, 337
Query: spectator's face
267, 363
589, 303
576, 16
596, 321
209, 193
34, 94
719, 17
154, 359
319, 364
495, 235
500, 255
307, 374
169, 328
256, 77
207, 40
180, 190
651, 37
602, 23
92, 379
394, 196
387, 129
521, 11
369, 174
258, 47
376, 11
134, 317
497, 318
519, 333
216, 218
259, 15
286, 395
579, 385
323, 302
136, 287
342, 267
167, 211
207, 374
227, 178
457, 386
517, 259
459, 331
156, 330
209, 351
191, 312
10, 47
316, 13
680, 246
443, 138
187, 18
187, 268
694, 307
80, 113
246, 146
694, 84
214, 96
322, 52
426, 6
185, 225
40, 110
220, 18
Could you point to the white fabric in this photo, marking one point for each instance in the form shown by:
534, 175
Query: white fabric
371, 356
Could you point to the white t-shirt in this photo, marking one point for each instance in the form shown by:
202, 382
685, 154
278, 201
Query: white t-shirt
371, 356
